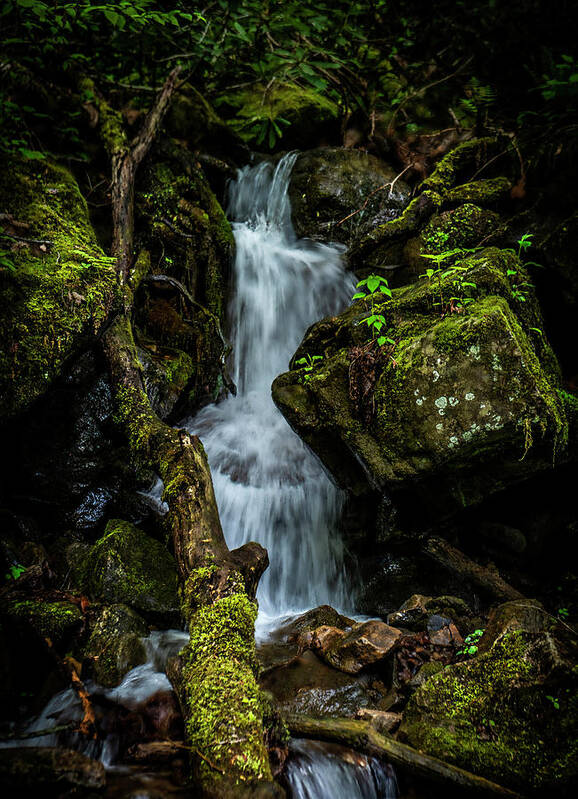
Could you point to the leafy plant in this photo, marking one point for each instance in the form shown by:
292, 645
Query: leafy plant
307, 363
470, 647
520, 287
563, 613
555, 701
372, 287
15, 571
455, 274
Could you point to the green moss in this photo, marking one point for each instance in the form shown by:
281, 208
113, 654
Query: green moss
115, 645
224, 705
450, 168
466, 226
55, 301
127, 566
480, 192
491, 715
54, 620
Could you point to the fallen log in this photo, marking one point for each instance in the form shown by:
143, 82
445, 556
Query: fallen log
464, 567
361, 735
215, 676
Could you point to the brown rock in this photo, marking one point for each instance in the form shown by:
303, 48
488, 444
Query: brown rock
383, 721
448, 635
364, 645
324, 638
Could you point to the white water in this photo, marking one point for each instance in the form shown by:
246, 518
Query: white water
321, 771
270, 488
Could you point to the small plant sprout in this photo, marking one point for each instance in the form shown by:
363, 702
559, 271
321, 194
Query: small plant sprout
15, 571
555, 701
456, 274
372, 287
563, 613
470, 647
307, 363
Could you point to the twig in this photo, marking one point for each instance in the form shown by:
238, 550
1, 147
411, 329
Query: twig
23, 736
40, 242
391, 184
166, 222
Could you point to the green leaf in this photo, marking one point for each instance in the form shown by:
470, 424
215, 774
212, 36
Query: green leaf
359, 296
373, 282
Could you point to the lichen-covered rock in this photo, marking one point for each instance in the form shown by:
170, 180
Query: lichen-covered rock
508, 715
128, 567
57, 292
329, 184
364, 645
115, 645
461, 404
304, 117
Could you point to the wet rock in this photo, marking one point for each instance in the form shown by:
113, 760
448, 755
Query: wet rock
526, 615
127, 566
329, 184
57, 621
49, 769
383, 721
364, 645
115, 645
456, 404
323, 638
443, 632
308, 685
508, 714
424, 673
417, 610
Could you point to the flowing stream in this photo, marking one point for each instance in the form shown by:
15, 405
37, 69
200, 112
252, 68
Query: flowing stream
270, 488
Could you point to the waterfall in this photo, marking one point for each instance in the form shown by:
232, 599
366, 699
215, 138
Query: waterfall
270, 488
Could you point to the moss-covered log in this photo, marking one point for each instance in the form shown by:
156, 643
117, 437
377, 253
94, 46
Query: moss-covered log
363, 736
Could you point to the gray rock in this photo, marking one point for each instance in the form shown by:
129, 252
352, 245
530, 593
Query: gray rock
115, 645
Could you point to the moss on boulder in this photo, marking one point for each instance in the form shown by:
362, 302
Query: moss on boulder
55, 620
127, 566
115, 645
466, 403
58, 294
495, 716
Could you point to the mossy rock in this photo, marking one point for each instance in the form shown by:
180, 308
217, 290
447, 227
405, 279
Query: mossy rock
128, 567
167, 371
463, 405
309, 117
58, 295
115, 645
495, 716
489, 192
55, 620
329, 184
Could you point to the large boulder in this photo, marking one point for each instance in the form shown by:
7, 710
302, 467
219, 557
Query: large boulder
458, 406
128, 567
58, 287
330, 184
508, 714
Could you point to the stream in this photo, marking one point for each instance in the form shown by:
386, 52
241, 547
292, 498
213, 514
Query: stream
269, 486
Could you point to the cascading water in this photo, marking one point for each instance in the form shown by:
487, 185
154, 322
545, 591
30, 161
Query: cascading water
270, 488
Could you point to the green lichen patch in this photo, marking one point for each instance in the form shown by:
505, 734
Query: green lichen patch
492, 715
59, 294
129, 567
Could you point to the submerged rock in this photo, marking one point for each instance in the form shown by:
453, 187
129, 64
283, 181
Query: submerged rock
329, 184
115, 645
127, 566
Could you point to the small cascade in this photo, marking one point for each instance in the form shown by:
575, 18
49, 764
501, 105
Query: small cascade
322, 771
270, 488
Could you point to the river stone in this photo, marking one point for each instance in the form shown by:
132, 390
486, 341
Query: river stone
417, 610
49, 768
115, 645
382, 720
328, 184
463, 405
127, 566
364, 645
